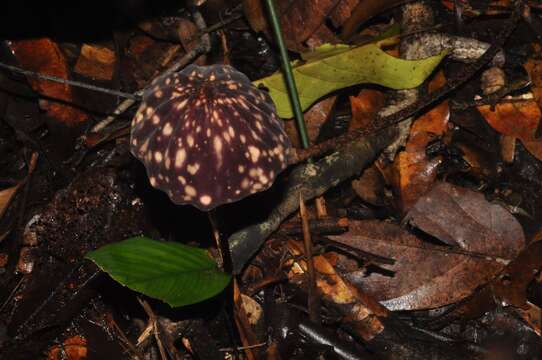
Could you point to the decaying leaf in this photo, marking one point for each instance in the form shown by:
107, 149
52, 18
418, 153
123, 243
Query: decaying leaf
427, 275
44, 56
331, 68
96, 62
464, 218
413, 171
73, 348
513, 119
315, 117
303, 22
370, 186
365, 107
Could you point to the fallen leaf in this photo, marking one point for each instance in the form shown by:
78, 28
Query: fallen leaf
464, 218
370, 186
6, 196
414, 176
44, 56
315, 117
330, 68
96, 62
364, 11
414, 172
73, 348
365, 107
427, 275
518, 119
533, 66
303, 22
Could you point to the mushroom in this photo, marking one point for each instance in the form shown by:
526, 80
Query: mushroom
208, 137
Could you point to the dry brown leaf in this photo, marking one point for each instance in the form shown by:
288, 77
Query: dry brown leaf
6, 196
519, 119
303, 21
370, 186
364, 11
413, 172
427, 275
462, 217
534, 69
315, 117
365, 107
45, 57
73, 348
415, 175
96, 62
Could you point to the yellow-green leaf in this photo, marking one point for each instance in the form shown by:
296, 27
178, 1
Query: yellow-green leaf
333, 67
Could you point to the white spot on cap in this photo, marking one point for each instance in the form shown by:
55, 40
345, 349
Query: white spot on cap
243, 138
245, 183
152, 179
190, 140
167, 130
158, 156
193, 169
181, 104
205, 200
155, 119
241, 169
254, 153
182, 180
180, 157
190, 191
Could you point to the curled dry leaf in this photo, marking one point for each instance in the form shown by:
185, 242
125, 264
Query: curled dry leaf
427, 275
44, 56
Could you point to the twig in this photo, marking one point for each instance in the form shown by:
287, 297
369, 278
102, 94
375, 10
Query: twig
313, 298
79, 84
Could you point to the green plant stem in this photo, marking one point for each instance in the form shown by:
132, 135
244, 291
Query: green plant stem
288, 75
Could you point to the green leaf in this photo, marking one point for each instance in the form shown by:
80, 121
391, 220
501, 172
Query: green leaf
333, 67
175, 273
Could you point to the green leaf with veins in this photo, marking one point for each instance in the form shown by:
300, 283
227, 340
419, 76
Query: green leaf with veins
175, 273
333, 67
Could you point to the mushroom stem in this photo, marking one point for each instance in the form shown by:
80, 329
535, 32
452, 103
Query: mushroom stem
225, 261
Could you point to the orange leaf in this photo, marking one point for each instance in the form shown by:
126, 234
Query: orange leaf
365, 106
513, 119
415, 173
44, 56
74, 348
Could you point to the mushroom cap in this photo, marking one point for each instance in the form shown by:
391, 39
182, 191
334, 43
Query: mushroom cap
207, 136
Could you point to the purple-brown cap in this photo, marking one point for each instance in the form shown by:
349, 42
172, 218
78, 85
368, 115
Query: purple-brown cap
208, 137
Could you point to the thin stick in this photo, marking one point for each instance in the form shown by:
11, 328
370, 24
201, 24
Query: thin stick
79, 84
313, 299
